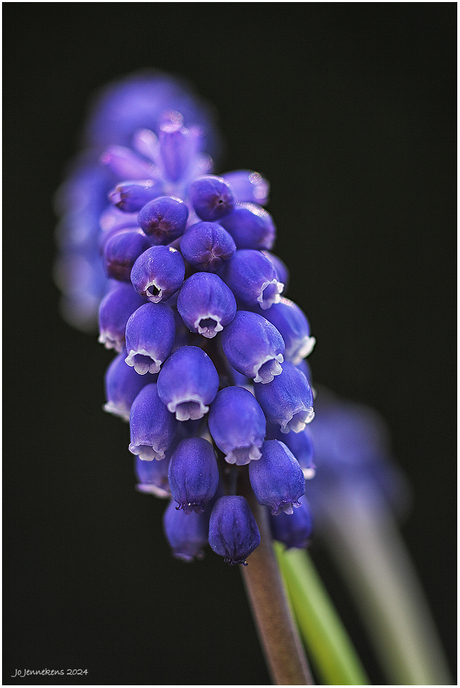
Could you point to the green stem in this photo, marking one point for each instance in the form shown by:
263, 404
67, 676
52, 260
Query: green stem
329, 646
365, 541
277, 630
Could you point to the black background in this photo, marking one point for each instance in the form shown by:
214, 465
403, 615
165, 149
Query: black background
349, 110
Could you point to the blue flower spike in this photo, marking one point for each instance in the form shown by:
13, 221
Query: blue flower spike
150, 333
287, 400
253, 346
233, 531
188, 383
164, 219
158, 273
152, 427
237, 425
193, 474
277, 479
206, 246
252, 278
211, 197
206, 304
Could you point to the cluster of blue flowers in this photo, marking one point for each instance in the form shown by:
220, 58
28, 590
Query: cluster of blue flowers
209, 368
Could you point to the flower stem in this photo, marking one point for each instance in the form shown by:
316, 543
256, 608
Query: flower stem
277, 630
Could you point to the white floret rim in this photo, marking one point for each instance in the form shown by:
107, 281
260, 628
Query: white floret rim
140, 366
177, 406
298, 420
269, 372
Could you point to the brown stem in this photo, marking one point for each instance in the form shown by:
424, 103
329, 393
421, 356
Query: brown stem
277, 631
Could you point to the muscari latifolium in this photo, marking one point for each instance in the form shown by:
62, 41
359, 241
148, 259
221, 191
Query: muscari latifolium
172, 262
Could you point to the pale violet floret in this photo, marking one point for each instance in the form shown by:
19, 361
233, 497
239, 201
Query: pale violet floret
253, 346
206, 304
300, 444
193, 474
277, 478
114, 311
152, 427
188, 383
287, 400
252, 278
150, 333
293, 530
237, 425
122, 385
248, 186
158, 273
294, 327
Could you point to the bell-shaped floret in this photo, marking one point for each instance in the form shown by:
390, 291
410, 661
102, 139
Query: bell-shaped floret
252, 278
293, 530
211, 197
250, 226
152, 477
121, 251
164, 219
150, 332
114, 311
248, 186
277, 479
237, 425
253, 346
187, 534
122, 385
206, 304
206, 246
151, 425
294, 327
287, 400
233, 531
193, 474
300, 444
130, 196
158, 273
188, 383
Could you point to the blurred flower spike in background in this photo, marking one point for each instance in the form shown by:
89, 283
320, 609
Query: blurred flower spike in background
174, 264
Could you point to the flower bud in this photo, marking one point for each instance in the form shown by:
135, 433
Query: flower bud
277, 479
164, 219
152, 477
248, 186
121, 251
114, 311
193, 474
250, 226
187, 534
122, 385
293, 530
158, 273
294, 327
206, 246
233, 531
211, 197
131, 196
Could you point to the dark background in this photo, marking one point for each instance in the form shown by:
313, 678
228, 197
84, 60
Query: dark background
349, 110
